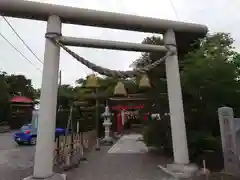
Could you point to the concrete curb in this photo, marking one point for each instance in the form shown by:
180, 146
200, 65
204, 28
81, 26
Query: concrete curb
4, 129
54, 177
172, 175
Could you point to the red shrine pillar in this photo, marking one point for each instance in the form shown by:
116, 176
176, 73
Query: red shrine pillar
120, 123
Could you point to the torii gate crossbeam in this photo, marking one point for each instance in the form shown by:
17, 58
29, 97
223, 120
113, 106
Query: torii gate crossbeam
175, 34
72, 15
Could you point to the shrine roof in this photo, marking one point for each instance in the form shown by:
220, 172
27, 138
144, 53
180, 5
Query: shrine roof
21, 99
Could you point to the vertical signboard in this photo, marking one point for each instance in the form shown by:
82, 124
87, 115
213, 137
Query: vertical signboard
228, 136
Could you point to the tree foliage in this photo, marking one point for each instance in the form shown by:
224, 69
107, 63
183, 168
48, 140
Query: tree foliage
11, 85
209, 78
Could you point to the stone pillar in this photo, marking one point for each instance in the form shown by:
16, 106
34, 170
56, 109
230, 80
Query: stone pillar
228, 136
43, 164
179, 138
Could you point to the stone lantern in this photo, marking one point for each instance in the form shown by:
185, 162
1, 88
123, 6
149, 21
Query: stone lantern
107, 140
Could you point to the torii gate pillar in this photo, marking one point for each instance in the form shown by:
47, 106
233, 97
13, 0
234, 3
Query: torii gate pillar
43, 163
179, 137
178, 127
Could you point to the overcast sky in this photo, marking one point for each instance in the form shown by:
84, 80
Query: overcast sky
218, 15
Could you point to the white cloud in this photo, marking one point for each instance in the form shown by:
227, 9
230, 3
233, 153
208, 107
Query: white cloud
219, 15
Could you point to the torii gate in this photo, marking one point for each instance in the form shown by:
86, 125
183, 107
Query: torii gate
175, 34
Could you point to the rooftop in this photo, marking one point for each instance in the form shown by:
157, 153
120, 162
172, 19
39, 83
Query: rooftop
21, 99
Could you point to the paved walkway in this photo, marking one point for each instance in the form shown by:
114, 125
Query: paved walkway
129, 144
127, 159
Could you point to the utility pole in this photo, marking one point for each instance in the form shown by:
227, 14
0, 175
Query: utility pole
60, 78
59, 85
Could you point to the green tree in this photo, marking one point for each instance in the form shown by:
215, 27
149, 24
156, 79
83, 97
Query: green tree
4, 98
209, 78
19, 84
11, 85
66, 95
3, 89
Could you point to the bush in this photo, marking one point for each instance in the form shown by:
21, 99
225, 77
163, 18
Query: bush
204, 146
200, 142
152, 135
158, 134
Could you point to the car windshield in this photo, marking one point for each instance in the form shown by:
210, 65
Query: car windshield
25, 127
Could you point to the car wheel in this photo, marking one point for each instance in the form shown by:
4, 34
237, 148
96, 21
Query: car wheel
20, 143
33, 141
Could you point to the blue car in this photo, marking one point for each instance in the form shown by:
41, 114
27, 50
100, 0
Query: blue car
28, 135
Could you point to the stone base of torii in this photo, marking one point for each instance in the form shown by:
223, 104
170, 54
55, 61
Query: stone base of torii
55, 176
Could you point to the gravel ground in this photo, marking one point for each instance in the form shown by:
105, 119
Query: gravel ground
118, 166
15, 161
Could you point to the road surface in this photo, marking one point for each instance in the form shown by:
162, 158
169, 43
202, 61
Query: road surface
15, 161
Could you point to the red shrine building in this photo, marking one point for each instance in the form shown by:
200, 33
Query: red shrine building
129, 110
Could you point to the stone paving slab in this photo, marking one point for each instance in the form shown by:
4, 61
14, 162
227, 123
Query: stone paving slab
129, 144
119, 166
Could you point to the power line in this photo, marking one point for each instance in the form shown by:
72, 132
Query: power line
21, 39
19, 51
174, 9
